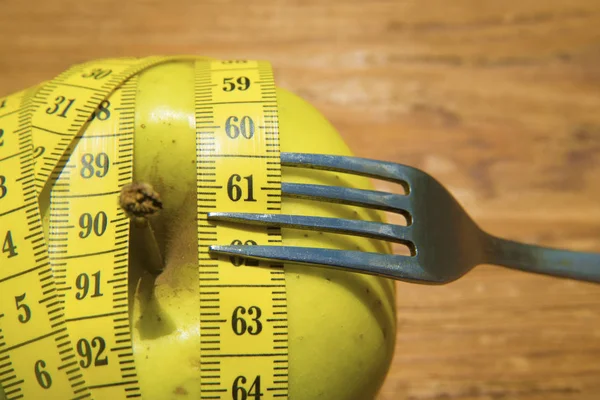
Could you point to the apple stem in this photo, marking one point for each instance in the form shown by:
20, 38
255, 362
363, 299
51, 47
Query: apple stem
155, 263
140, 201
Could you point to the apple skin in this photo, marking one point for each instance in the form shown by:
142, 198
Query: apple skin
341, 325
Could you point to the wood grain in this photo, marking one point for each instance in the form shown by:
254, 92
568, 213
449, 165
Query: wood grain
499, 100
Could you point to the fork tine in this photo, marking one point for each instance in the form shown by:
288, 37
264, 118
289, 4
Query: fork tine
384, 170
374, 230
356, 197
391, 266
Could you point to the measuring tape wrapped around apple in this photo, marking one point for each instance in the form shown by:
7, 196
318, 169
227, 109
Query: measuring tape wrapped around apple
107, 290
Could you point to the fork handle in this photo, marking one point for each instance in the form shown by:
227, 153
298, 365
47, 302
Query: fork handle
543, 260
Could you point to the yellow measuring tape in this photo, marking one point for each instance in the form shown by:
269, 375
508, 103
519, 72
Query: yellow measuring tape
243, 322
64, 306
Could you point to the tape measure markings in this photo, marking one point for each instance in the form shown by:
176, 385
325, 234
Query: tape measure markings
243, 352
24, 352
89, 245
26, 131
273, 204
86, 85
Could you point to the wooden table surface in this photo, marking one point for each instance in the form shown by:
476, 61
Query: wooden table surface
499, 100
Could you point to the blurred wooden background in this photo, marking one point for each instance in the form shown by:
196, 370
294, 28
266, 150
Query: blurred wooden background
500, 100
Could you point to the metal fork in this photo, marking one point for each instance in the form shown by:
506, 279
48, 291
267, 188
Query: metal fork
445, 242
